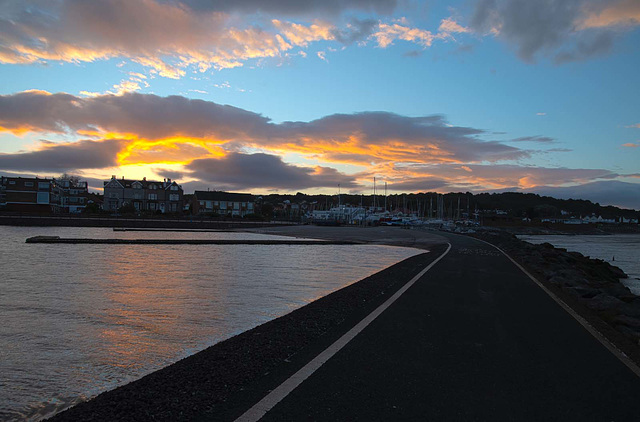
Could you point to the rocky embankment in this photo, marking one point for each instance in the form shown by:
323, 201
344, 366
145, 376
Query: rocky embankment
591, 287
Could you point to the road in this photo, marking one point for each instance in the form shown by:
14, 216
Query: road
473, 339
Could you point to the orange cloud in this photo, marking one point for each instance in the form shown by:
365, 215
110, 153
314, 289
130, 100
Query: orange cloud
386, 34
620, 13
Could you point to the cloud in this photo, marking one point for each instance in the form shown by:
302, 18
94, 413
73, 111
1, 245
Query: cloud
565, 30
294, 7
631, 145
167, 37
637, 126
541, 139
423, 184
541, 114
66, 157
355, 31
169, 174
617, 193
413, 53
615, 13
171, 38
498, 176
238, 149
596, 45
301, 35
245, 171
451, 26
154, 122
386, 34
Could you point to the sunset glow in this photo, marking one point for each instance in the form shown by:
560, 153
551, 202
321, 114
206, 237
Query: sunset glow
427, 97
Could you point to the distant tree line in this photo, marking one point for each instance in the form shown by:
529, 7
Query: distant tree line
522, 205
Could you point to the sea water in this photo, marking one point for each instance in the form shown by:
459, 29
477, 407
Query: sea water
77, 320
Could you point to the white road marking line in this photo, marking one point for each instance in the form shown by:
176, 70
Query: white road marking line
592, 330
283, 390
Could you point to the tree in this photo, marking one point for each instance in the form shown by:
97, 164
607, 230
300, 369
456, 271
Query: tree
127, 209
267, 210
73, 179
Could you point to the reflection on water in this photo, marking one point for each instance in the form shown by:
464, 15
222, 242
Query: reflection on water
80, 319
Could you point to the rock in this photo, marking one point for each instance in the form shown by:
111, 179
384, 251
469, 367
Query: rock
631, 309
631, 332
604, 302
620, 291
583, 292
627, 320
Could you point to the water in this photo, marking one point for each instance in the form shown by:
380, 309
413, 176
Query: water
625, 248
77, 320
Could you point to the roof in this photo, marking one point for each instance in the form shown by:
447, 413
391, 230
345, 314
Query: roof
128, 183
216, 195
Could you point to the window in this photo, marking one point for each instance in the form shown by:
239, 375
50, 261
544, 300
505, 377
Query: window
174, 187
223, 205
250, 205
28, 184
201, 203
152, 206
153, 196
174, 197
43, 185
12, 182
43, 198
236, 205
153, 187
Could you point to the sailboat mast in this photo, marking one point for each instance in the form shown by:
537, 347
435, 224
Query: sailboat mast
385, 196
374, 194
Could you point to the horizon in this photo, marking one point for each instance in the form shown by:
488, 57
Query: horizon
425, 96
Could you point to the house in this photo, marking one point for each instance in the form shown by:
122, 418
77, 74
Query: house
69, 196
223, 203
144, 195
25, 194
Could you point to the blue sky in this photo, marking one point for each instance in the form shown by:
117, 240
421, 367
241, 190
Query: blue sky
524, 95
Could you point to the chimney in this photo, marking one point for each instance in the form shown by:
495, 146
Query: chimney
144, 178
113, 177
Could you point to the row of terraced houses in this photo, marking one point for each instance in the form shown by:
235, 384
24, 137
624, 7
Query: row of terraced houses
69, 196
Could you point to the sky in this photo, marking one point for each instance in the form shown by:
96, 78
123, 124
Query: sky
320, 97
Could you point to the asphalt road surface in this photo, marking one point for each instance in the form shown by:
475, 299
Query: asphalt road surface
473, 339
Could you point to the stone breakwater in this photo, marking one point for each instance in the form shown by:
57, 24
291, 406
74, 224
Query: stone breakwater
591, 287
